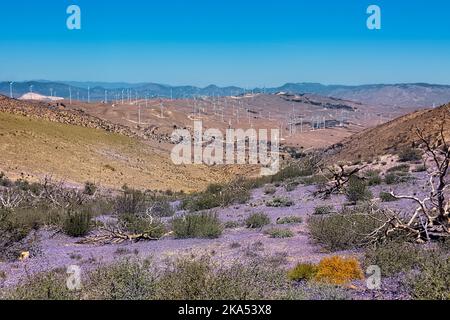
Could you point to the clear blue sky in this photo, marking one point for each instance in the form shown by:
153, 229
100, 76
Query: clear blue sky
226, 42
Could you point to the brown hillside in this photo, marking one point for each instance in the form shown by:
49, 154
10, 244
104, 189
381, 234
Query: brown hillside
392, 136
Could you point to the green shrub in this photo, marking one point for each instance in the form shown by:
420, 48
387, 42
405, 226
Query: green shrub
303, 271
387, 197
124, 280
400, 168
236, 192
142, 223
394, 256
373, 177
291, 185
410, 154
396, 177
270, 189
89, 188
289, 220
433, 280
4, 181
342, 231
131, 202
279, 233
77, 222
232, 224
199, 225
320, 210
45, 286
280, 202
161, 208
357, 190
257, 220
420, 168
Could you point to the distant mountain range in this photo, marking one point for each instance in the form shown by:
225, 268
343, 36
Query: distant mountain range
401, 95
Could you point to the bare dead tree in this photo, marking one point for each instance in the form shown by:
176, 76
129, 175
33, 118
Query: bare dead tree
338, 177
11, 198
430, 220
114, 234
59, 195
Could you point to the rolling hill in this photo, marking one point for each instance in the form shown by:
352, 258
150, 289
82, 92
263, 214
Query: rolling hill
391, 137
77, 148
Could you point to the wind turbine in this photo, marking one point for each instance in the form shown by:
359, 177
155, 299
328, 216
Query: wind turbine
11, 89
89, 96
51, 92
31, 90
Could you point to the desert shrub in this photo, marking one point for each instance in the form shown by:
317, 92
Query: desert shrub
279, 233
394, 256
291, 185
433, 280
198, 225
257, 220
161, 208
269, 189
410, 154
314, 180
4, 181
303, 271
45, 286
232, 224
399, 168
357, 190
216, 195
396, 177
373, 177
420, 168
89, 188
77, 222
142, 223
317, 291
131, 201
187, 279
338, 270
387, 197
279, 202
124, 280
342, 231
444, 244
320, 210
289, 220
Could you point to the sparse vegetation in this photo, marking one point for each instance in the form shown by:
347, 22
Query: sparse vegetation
197, 225
321, 210
357, 190
269, 189
257, 220
303, 271
410, 154
279, 233
289, 220
373, 177
279, 202
77, 222
387, 197
342, 231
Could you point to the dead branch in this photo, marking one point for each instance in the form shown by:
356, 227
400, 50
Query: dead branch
339, 179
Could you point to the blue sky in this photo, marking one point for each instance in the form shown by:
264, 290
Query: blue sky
226, 42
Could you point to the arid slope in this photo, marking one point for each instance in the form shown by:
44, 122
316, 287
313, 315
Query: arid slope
393, 136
